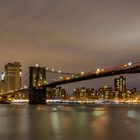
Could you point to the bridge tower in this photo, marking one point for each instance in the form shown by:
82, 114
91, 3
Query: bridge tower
37, 77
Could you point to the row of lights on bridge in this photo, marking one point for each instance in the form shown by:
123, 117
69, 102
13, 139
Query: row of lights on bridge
99, 70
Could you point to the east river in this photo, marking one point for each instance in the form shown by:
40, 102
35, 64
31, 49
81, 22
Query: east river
69, 122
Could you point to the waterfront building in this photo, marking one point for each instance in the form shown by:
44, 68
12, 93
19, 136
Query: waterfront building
120, 84
2, 83
56, 93
13, 76
2, 76
2, 87
84, 93
106, 92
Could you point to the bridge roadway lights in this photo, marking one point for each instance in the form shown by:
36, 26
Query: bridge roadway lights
37, 95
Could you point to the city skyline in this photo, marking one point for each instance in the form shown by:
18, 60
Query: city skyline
12, 78
71, 35
40, 89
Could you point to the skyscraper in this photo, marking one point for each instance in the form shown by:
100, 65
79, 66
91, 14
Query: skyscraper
13, 76
120, 83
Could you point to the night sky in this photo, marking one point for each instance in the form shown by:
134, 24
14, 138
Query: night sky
71, 35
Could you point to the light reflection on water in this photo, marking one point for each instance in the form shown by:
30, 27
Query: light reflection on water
70, 122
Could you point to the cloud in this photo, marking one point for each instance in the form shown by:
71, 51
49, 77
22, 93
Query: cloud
74, 35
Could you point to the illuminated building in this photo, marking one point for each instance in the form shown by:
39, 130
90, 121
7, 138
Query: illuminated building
56, 93
120, 84
13, 76
2, 87
106, 92
2, 76
2, 82
84, 93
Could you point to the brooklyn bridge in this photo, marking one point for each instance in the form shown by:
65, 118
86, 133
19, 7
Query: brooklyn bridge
37, 83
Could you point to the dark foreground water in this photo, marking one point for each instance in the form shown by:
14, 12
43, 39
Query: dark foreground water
73, 122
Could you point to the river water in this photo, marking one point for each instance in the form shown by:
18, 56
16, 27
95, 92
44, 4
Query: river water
69, 122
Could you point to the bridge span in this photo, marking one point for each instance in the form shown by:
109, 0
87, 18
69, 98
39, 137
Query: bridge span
99, 73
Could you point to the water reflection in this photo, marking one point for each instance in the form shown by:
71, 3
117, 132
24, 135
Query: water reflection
133, 114
53, 122
56, 124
